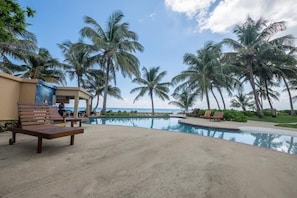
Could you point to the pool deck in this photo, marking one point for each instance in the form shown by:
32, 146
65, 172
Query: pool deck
249, 126
117, 161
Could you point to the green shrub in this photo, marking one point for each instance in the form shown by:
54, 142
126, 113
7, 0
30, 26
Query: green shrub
267, 112
233, 115
249, 113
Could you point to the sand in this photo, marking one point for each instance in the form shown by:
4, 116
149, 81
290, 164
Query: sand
113, 161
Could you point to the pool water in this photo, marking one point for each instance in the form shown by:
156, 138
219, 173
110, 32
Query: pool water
277, 142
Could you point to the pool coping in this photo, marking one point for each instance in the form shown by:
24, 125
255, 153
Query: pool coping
250, 126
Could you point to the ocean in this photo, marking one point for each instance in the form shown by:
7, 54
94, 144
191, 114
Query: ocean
140, 110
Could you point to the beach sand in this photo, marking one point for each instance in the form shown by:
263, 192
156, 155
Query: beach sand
113, 161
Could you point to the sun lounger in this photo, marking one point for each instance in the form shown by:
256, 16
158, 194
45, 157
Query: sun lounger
56, 117
218, 115
36, 120
206, 114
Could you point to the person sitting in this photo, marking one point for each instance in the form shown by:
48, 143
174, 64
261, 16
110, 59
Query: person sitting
61, 109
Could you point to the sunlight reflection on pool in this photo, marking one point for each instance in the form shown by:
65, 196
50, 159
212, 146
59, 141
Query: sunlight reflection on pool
277, 142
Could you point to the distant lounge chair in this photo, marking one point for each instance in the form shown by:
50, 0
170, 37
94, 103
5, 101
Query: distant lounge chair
206, 114
218, 115
56, 117
194, 113
36, 120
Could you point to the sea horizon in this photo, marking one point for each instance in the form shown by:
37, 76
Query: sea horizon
129, 109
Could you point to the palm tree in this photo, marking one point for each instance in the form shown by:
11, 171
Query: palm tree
242, 101
78, 60
184, 100
151, 84
43, 66
203, 71
18, 48
114, 48
251, 36
95, 84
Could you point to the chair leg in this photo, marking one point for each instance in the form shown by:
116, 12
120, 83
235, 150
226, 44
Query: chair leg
12, 140
72, 140
39, 145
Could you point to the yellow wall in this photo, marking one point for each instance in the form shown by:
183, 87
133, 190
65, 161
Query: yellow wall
10, 92
28, 91
14, 90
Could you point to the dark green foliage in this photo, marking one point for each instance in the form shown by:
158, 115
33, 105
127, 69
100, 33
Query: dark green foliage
12, 19
267, 112
233, 115
249, 113
7, 124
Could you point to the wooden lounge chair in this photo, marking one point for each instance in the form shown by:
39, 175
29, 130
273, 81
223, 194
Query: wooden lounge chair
206, 114
36, 120
56, 117
218, 115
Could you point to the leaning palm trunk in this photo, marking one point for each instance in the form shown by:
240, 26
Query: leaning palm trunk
97, 103
215, 99
290, 97
273, 113
252, 82
220, 92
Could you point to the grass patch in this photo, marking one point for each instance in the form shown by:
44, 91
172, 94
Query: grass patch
287, 125
282, 118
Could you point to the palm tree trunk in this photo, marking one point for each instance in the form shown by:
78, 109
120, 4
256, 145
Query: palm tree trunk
273, 114
215, 99
224, 104
153, 108
97, 103
252, 82
207, 99
220, 92
106, 86
290, 97
78, 80
243, 108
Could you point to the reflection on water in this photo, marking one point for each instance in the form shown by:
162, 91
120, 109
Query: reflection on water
281, 143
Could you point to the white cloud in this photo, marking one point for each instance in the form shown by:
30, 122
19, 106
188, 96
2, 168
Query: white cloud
227, 13
188, 7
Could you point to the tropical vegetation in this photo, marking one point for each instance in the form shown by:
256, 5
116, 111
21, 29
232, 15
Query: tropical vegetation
257, 58
151, 85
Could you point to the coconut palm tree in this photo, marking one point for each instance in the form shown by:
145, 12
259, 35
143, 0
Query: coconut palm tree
250, 37
152, 85
95, 84
184, 100
114, 47
78, 60
242, 101
43, 66
203, 71
18, 48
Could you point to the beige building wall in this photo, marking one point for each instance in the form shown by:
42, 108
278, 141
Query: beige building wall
28, 91
10, 93
14, 90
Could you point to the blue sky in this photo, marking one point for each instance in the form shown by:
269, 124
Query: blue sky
166, 28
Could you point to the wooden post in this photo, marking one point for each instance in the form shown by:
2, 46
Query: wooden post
72, 140
39, 145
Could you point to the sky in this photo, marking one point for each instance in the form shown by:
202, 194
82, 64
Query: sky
167, 29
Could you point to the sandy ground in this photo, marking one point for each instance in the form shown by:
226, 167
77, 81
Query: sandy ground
112, 161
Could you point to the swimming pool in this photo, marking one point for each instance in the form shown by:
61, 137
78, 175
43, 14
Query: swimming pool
283, 143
